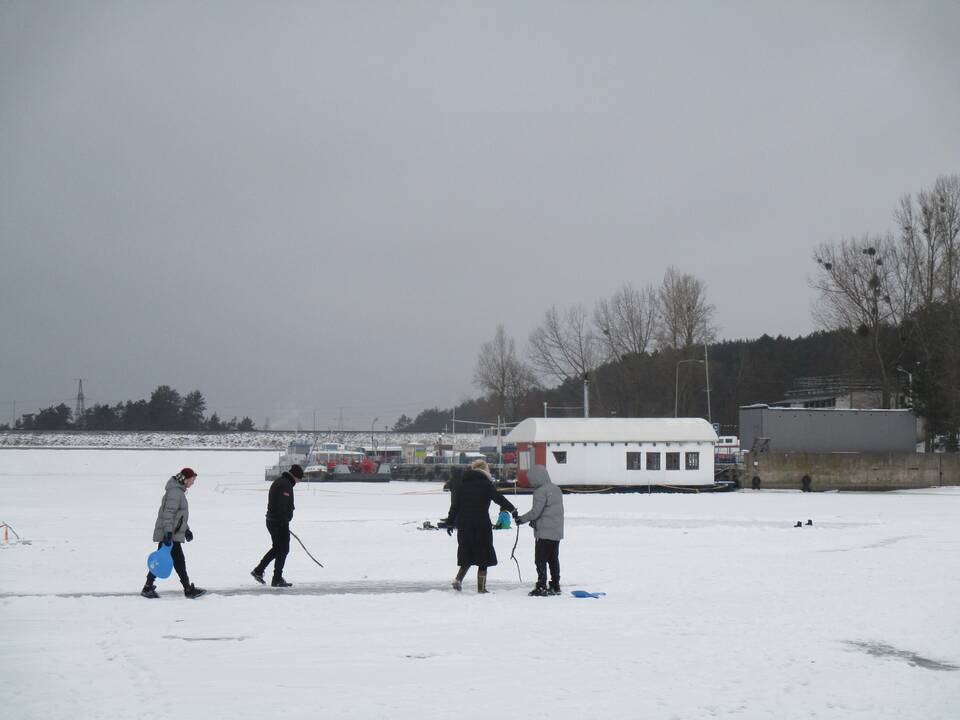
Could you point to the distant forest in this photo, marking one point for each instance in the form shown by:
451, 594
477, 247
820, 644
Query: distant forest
742, 372
166, 409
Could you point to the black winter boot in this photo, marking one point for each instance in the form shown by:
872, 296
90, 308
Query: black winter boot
149, 591
482, 583
192, 591
280, 582
554, 588
258, 576
538, 591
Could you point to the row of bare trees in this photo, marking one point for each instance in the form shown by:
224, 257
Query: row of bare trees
900, 293
570, 343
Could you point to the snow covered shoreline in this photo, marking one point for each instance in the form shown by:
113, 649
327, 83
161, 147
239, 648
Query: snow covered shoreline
256, 440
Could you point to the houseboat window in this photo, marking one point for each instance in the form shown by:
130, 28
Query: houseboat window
673, 461
634, 461
653, 461
560, 456
693, 461
524, 460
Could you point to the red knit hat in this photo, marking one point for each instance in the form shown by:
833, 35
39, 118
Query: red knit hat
187, 473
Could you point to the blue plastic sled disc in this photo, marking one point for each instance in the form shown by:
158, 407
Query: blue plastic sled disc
159, 562
585, 594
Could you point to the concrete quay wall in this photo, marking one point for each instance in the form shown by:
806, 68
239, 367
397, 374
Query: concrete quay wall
850, 471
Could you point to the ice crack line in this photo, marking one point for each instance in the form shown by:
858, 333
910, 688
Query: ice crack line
878, 649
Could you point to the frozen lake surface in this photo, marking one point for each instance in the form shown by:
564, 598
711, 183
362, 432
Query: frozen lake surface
716, 605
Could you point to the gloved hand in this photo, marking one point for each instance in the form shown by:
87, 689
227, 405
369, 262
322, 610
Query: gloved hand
188, 535
515, 513
520, 521
449, 529
168, 538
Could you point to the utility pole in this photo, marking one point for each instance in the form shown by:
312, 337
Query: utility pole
586, 395
706, 369
81, 408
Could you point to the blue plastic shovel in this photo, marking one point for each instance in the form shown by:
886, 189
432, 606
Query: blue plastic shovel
159, 562
585, 594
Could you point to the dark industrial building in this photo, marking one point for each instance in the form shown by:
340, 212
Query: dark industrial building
811, 430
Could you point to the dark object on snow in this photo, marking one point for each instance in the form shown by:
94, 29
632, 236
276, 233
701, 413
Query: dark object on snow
538, 591
805, 483
192, 591
809, 522
799, 524
258, 576
280, 582
149, 591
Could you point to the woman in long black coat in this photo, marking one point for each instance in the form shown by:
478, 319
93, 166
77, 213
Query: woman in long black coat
470, 514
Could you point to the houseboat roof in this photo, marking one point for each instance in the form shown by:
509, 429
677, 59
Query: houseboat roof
612, 430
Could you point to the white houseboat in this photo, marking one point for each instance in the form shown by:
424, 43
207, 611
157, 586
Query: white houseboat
617, 452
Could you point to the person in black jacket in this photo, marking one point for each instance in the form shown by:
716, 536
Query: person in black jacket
279, 515
470, 515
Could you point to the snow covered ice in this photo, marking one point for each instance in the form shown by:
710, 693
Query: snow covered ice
716, 605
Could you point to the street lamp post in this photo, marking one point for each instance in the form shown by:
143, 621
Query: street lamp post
676, 384
372, 441
909, 383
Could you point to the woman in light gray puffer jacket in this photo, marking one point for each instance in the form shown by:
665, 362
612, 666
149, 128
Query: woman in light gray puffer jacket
546, 519
172, 527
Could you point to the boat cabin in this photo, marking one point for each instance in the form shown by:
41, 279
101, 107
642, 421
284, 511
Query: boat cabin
617, 451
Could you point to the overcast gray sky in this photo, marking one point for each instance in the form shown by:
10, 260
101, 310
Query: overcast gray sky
319, 205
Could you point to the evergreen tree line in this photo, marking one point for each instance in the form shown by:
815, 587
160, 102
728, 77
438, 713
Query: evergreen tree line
742, 372
166, 409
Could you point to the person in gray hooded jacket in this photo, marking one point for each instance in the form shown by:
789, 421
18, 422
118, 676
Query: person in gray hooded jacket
172, 527
546, 519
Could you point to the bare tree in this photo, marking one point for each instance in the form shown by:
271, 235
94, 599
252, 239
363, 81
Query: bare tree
930, 239
864, 284
628, 320
564, 346
501, 373
686, 318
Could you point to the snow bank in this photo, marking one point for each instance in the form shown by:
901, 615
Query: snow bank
233, 440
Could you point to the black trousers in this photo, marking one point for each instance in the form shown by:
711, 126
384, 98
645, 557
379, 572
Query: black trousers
280, 548
179, 564
547, 552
